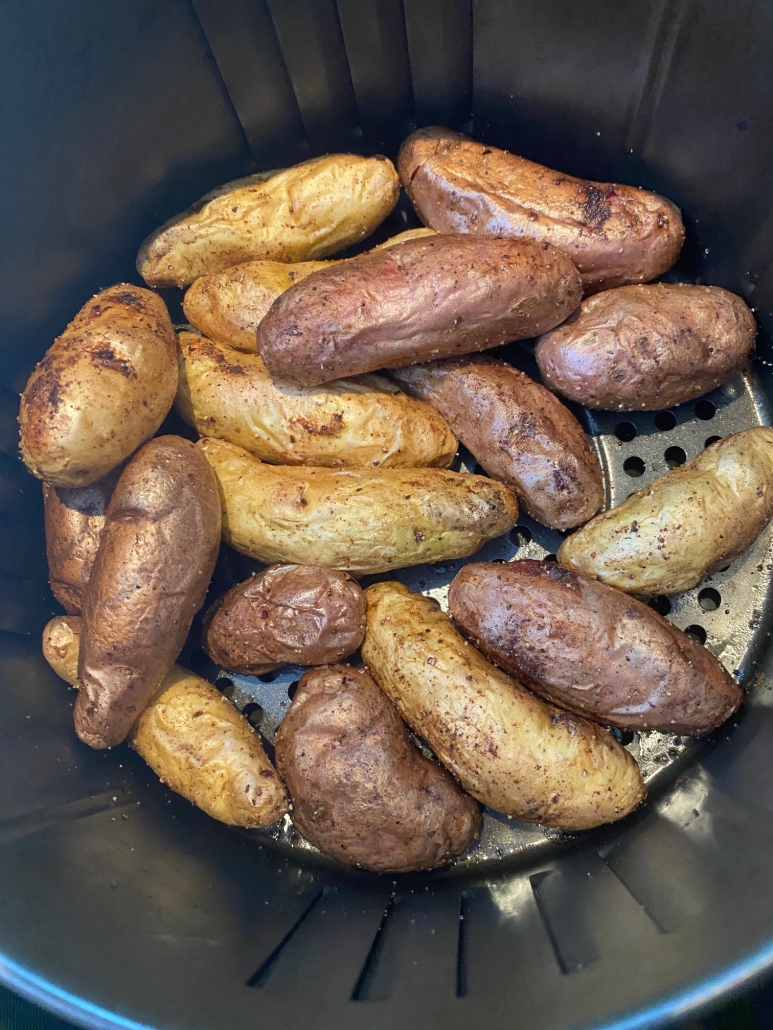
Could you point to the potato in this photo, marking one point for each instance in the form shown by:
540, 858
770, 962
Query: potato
686, 525
359, 520
361, 791
648, 347
506, 747
287, 614
519, 433
614, 234
102, 389
590, 649
363, 421
308, 211
151, 572
193, 738
429, 298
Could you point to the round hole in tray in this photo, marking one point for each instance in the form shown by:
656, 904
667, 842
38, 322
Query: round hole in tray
709, 599
634, 466
660, 604
550, 557
253, 712
697, 633
705, 410
665, 420
624, 736
268, 677
711, 439
675, 457
292, 688
625, 431
520, 536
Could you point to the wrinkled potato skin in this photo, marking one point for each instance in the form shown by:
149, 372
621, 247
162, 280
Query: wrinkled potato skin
437, 297
642, 348
507, 748
308, 211
614, 234
102, 389
287, 614
688, 524
518, 431
361, 791
363, 421
590, 649
150, 575
361, 521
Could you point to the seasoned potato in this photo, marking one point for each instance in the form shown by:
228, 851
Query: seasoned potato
508, 748
151, 572
359, 520
102, 389
519, 433
361, 792
308, 211
429, 298
648, 347
363, 421
287, 614
591, 649
614, 234
686, 525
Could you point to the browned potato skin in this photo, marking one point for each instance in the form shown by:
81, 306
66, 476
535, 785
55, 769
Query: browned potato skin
614, 234
150, 575
287, 614
437, 297
361, 792
642, 348
591, 649
519, 432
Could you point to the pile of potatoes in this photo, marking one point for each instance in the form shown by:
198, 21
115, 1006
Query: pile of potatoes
329, 397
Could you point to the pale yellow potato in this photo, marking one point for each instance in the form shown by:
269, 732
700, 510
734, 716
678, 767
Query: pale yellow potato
364, 421
510, 750
294, 214
358, 520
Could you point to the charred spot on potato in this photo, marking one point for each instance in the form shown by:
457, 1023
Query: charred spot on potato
595, 207
107, 357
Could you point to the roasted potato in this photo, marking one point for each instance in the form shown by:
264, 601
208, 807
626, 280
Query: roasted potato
152, 569
363, 421
508, 748
287, 614
429, 298
686, 525
361, 791
614, 234
519, 433
308, 211
102, 389
359, 520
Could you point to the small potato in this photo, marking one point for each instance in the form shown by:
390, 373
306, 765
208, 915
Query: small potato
641, 348
360, 520
590, 649
362, 421
361, 792
519, 432
308, 211
686, 525
508, 748
102, 389
287, 614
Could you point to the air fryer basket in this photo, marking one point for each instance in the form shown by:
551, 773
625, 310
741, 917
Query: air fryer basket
120, 904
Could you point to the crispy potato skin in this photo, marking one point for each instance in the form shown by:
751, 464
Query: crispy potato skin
508, 748
150, 575
614, 234
519, 432
361, 792
363, 421
438, 297
102, 389
287, 614
308, 211
359, 520
641, 348
686, 525
590, 649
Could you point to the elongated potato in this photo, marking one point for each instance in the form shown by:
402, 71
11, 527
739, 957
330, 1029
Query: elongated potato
102, 389
689, 523
359, 520
308, 211
363, 421
507, 748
